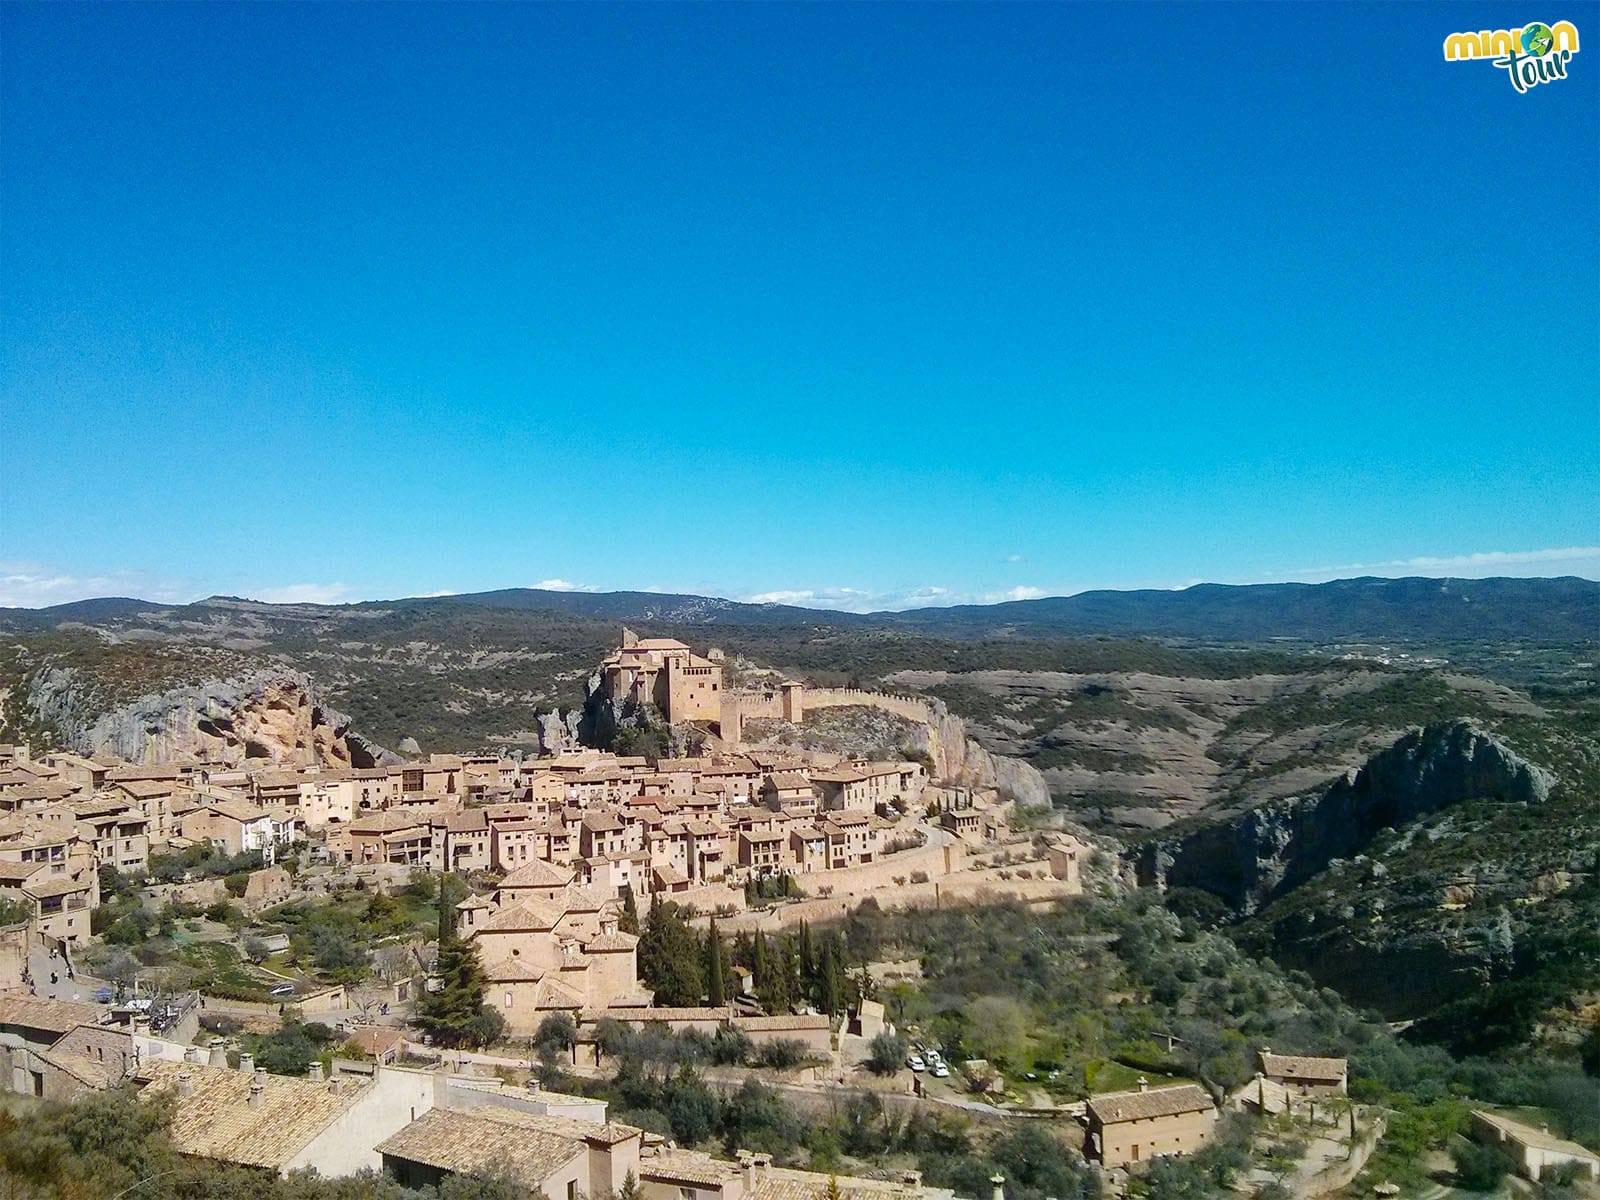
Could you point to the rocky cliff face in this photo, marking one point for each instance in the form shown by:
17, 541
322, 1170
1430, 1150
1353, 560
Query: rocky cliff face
959, 759
271, 717
1272, 849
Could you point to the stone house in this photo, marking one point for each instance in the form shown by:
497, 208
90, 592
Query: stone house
153, 798
784, 788
1535, 1151
763, 852
553, 1157
852, 838
281, 1124
465, 840
1130, 1127
1067, 855
1303, 1075
233, 827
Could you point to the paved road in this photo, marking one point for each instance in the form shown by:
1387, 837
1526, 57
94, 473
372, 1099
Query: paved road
56, 979
813, 1092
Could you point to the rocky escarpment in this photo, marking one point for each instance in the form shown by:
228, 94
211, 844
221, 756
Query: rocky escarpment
268, 717
959, 758
1264, 853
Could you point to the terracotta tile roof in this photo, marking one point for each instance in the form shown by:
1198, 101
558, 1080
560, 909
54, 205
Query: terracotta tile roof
646, 1016
785, 1023
468, 1143
85, 1070
511, 970
592, 1132
842, 776
612, 941
786, 781
1541, 1139
784, 1183
143, 789
388, 822
216, 1121
526, 914
64, 886
52, 1016
1157, 1102
554, 994
688, 1166
589, 898
538, 873
1300, 1066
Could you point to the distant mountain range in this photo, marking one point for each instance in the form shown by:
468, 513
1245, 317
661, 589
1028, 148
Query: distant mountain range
1562, 611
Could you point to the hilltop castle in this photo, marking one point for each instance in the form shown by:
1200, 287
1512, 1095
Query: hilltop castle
685, 687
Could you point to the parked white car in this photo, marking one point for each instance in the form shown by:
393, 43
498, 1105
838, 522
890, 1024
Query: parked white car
915, 1063
941, 1071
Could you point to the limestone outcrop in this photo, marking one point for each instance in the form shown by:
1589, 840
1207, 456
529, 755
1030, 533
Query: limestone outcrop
959, 759
271, 717
1271, 849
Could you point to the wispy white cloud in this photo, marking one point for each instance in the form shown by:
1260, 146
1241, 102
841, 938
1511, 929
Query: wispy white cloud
303, 593
34, 585
1015, 558
1024, 593
564, 585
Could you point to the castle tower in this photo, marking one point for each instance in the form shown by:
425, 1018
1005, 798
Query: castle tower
731, 727
794, 702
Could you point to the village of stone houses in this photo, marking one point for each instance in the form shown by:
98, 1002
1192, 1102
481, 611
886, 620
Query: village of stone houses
743, 968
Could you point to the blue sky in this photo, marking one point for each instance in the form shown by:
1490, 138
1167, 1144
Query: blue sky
849, 305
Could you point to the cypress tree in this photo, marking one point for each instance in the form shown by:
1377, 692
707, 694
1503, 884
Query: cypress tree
629, 921
828, 998
808, 966
447, 908
715, 992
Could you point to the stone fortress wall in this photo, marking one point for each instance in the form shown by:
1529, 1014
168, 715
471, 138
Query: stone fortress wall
794, 700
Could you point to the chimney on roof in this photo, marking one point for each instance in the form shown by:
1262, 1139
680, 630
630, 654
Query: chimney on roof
753, 1167
1144, 1084
912, 1180
999, 1182
258, 1090
314, 1071
247, 1063
185, 1083
219, 1055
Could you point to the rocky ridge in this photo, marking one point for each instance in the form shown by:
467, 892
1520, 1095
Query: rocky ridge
1261, 854
270, 716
